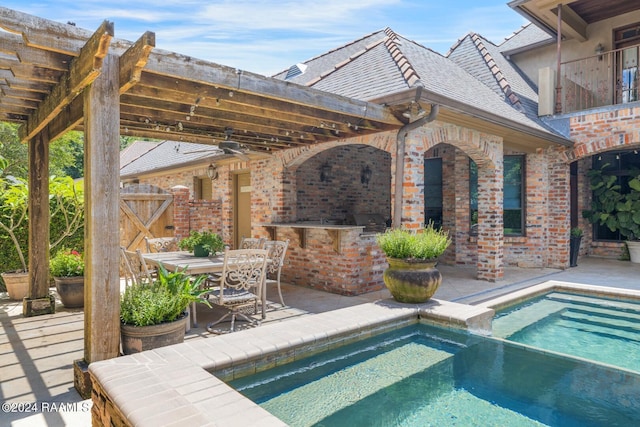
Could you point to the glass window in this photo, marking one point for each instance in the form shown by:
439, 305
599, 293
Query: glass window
433, 191
513, 194
620, 164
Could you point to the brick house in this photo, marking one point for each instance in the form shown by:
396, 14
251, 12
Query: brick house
497, 142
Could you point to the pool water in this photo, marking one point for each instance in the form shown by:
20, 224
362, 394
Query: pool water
599, 329
429, 376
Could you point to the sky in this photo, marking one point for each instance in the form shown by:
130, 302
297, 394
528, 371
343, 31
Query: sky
266, 36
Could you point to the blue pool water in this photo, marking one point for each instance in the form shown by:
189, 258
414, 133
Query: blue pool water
428, 376
599, 329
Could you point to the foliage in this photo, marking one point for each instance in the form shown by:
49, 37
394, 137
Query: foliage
576, 232
67, 263
163, 300
209, 241
611, 206
66, 216
427, 243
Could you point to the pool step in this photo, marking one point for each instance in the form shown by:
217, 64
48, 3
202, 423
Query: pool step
602, 325
503, 327
619, 306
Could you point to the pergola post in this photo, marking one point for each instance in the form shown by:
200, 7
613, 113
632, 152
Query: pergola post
39, 300
102, 234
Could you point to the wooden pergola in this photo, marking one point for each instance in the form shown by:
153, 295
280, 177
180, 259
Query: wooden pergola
56, 77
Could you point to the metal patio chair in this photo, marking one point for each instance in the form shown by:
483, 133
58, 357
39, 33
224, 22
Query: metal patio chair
277, 251
161, 244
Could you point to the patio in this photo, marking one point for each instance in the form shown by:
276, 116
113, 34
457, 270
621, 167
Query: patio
37, 353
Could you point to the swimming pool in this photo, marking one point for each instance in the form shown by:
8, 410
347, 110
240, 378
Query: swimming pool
425, 375
596, 328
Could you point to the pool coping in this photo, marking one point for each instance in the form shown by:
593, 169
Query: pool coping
174, 385
522, 295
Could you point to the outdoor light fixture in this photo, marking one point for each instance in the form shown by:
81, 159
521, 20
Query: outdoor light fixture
599, 51
365, 175
212, 172
325, 172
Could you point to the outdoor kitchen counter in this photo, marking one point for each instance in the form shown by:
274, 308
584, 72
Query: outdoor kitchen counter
301, 228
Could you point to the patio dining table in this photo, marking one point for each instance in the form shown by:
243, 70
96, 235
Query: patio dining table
195, 266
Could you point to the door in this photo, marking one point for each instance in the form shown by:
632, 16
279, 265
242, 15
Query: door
626, 58
242, 207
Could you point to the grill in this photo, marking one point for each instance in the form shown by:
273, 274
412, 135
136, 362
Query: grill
371, 222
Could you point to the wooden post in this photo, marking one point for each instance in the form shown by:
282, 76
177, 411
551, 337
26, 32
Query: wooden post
39, 300
558, 108
102, 234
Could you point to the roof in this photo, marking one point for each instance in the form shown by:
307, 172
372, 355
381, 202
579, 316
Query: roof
527, 37
135, 150
169, 155
475, 78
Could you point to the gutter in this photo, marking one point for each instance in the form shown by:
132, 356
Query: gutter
400, 152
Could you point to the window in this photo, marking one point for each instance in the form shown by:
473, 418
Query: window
513, 195
433, 191
202, 189
620, 164
626, 41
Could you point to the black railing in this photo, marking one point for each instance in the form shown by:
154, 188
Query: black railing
608, 78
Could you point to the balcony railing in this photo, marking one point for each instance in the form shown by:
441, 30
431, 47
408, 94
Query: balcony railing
608, 78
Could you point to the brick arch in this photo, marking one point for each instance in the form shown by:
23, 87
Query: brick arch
293, 158
484, 149
582, 151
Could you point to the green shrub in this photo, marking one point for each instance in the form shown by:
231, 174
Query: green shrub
209, 241
163, 300
426, 243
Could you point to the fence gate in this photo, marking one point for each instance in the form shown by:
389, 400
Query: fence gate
145, 211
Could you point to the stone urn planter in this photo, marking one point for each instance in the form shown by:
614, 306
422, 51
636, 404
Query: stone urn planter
70, 290
412, 276
412, 281
17, 285
135, 339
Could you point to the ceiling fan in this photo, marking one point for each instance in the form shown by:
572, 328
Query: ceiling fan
228, 146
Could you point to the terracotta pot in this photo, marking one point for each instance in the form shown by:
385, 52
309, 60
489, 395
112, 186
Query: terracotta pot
412, 281
17, 285
70, 290
140, 338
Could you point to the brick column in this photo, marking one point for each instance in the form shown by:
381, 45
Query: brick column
490, 264
180, 211
413, 185
559, 213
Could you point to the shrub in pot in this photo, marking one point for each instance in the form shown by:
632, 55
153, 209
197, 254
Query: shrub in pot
412, 276
202, 243
67, 269
154, 314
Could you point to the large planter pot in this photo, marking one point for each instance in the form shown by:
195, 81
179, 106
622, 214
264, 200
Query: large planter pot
70, 290
634, 250
17, 285
135, 339
412, 281
574, 250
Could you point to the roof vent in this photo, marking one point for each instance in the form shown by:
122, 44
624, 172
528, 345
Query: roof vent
295, 70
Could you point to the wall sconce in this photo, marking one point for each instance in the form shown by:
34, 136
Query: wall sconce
212, 172
325, 172
599, 51
365, 175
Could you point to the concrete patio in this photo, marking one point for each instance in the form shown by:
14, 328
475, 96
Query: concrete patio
37, 354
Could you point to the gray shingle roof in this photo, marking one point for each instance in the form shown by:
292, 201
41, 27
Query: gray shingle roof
528, 35
167, 154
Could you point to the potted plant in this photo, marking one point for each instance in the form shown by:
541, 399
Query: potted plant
67, 217
618, 210
202, 243
154, 314
67, 269
412, 276
574, 246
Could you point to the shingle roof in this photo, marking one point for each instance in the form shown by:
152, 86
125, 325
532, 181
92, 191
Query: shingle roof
475, 74
528, 36
135, 150
167, 154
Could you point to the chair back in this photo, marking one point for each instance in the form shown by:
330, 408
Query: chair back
137, 267
161, 244
243, 269
277, 250
252, 243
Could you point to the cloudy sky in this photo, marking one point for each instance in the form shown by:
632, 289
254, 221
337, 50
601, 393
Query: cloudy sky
266, 37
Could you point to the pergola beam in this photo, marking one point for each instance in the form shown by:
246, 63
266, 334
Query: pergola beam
83, 70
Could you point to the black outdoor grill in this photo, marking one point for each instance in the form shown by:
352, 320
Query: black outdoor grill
371, 222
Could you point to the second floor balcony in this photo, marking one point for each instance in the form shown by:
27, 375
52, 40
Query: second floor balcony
607, 78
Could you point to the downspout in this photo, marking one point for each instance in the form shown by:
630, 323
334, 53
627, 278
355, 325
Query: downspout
400, 152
